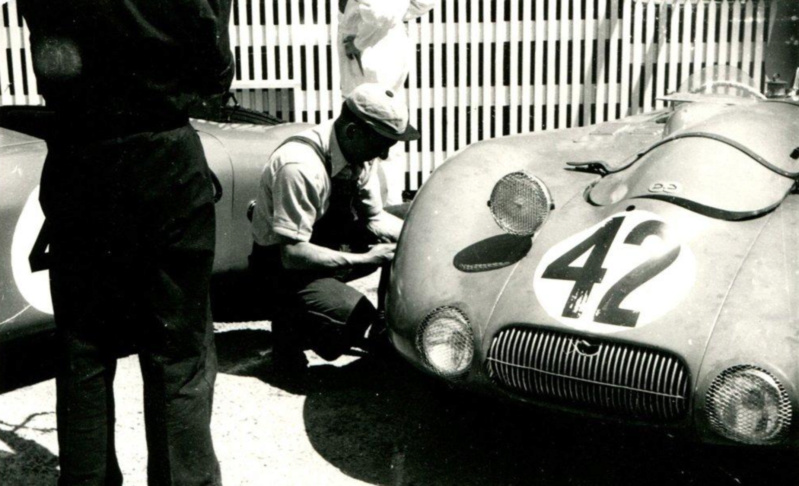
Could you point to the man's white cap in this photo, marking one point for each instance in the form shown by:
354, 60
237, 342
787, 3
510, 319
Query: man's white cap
382, 110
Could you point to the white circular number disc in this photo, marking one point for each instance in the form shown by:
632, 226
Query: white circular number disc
34, 287
651, 297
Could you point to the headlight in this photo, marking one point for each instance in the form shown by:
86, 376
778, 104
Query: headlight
520, 203
747, 404
446, 342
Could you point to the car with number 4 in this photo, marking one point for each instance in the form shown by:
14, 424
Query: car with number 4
236, 141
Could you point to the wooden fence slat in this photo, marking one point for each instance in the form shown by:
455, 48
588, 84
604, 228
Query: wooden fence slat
637, 57
588, 86
485, 91
615, 36
526, 66
735, 50
519, 66
450, 90
551, 64
474, 88
562, 85
257, 36
712, 45
661, 86
463, 64
577, 25
426, 104
650, 56
437, 93
747, 24
244, 42
498, 42
514, 86
296, 34
685, 43
760, 40
538, 78
5, 67
603, 31
724, 33
310, 75
674, 47
15, 44
698, 41
626, 32
325, 108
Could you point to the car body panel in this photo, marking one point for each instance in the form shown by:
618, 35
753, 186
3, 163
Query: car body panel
427, 227
696, 220
235, 152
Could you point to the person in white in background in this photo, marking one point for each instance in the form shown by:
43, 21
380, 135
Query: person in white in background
374, 47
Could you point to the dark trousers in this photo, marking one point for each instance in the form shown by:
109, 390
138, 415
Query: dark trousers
311, 310
131, 224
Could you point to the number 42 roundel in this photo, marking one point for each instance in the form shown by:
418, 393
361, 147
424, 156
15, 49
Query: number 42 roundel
622, 273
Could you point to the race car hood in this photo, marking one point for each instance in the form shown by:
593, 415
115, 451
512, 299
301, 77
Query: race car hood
734, 165
643, 271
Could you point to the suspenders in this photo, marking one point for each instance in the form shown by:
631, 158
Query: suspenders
324, 157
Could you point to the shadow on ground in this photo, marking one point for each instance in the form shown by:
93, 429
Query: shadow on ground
27, 463
382, 422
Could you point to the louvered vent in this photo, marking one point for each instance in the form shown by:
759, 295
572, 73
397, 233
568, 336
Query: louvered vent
595, 375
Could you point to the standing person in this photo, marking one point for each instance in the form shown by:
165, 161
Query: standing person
373, 42
318, 222
374, 47
130, 219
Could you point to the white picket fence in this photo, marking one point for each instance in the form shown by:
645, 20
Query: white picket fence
484, 68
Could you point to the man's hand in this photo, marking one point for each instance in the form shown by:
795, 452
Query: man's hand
351, 51
381, 253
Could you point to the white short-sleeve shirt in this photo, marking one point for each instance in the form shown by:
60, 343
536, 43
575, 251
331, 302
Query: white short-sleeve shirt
295, 188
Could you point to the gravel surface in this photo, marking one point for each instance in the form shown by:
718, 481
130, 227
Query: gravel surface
363, 420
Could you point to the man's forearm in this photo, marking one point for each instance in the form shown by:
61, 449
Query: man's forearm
303, 255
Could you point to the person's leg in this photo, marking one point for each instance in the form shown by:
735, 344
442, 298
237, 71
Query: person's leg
82, 288
81, 291
179, 369
335, 315
175, 223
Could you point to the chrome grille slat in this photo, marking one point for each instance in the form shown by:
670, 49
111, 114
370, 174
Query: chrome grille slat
620, 378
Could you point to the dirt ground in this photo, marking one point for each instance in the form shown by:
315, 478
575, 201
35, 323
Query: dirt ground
362, 420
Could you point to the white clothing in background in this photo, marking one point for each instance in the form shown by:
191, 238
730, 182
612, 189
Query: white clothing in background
382, 37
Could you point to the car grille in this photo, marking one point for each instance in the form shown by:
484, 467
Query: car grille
595, 375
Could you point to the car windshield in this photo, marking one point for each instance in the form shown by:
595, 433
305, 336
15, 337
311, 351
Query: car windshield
721, 81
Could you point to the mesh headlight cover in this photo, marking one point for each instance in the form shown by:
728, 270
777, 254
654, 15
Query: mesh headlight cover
747, 404
446, 342
520, 203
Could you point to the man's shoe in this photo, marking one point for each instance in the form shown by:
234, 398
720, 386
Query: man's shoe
376, 341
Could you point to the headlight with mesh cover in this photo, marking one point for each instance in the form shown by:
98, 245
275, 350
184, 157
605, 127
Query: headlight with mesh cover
520, 203
747, 404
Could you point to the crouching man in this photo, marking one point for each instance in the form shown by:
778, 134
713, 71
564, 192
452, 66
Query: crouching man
319, 223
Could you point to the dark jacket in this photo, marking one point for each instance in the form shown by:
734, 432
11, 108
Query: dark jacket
128, 65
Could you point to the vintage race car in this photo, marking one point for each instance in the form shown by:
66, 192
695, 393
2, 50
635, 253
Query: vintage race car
645, 269
237, 144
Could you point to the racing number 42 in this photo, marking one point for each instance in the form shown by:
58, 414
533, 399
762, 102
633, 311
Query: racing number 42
609, 310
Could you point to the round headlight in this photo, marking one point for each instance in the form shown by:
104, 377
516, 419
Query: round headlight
445, 341
520, 203
747, 404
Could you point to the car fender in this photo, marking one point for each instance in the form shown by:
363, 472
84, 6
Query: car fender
759, 322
